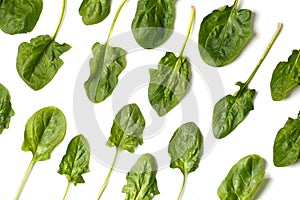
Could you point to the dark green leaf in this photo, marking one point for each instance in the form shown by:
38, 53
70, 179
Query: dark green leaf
286, 149
231, 110
153, 22
141, 179
185, 148
243, 179
169, 83
94, 11
127, 129
19, 16
6, 111
285, 77
106, 65
38, 61
44, 130
76, 160
223, 34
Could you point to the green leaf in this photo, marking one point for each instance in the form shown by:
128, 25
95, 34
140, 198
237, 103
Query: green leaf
243, 179
169, 83
76, 160
38, 61
153, 22
127, 129
6, 110
141, 179
286, 149
44, 130
231, 110
19, 16
94, 11
223, 34
106, 65
185, 148
285, 77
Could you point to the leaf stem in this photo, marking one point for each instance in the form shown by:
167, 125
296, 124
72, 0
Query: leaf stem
278, 29
67, 190
182, 186
108, 175
28, 170
60, 19
192, 16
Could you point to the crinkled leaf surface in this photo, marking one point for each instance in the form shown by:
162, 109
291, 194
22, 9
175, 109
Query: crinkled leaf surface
38, 61
6, 110
94, 11
127, 129
169, 83
141, 179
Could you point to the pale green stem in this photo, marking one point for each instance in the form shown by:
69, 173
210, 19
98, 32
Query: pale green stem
189, 30
108, 175
67, 190
60, 19
28, 170
182, 186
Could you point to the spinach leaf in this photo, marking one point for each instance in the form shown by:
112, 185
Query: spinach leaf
6, 110
76, 161
170, 82
19, 16
287, 143
243, 179
223, 34
38, 61
106, 65
285, 77
94, 11
141, 179
126, 133
153, 22
231, 110
185, 148
44, 130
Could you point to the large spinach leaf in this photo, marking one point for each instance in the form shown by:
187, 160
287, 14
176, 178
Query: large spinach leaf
185, 148
141, 179
76, 161
19, 16
223, 34
231, 110
285, 77
153, 22
286, 149
243, 179
94, 11
6, 110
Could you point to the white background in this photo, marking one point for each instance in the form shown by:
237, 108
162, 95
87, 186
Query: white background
254, 136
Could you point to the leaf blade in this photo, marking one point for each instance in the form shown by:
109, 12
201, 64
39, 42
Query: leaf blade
6, 110
94, 11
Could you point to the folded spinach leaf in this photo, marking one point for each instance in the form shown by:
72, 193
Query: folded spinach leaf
141, 179
76, 161
38, 61
94, 11
243, 179
170, 82
106, 65
6, 110
153, 22
287, 143
223, 34
44, 130
285, 77
185, 148
126, 134
231, 110
19, 16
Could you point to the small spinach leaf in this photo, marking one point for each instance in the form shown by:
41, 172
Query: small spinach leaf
223, 34
243, 179
94, 11
285, 77
153, 22
141, 179
6, 110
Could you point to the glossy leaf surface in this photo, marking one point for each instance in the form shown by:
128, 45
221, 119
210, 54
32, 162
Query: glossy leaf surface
94, 11
6, 110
